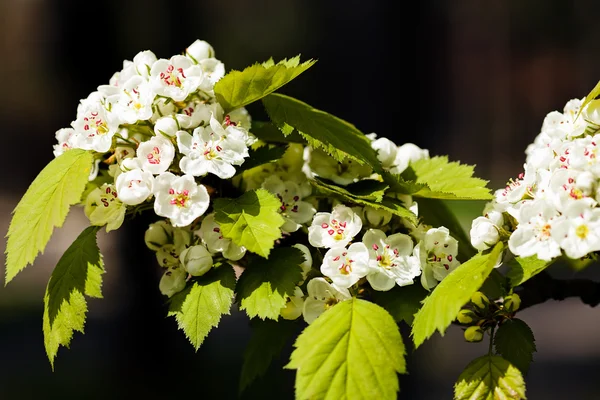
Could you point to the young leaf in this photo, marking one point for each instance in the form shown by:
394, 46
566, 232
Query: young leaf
266, 343
335, 136
524, 268
199, 307
78, 272
268, 132
352, 351
264, 284
454, 291
252, 220
490, 377
44, 206
595, 92
239, 88
401, 302
515, 342
260, 156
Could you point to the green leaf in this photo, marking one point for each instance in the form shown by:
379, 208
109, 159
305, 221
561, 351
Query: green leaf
352, 351
268, 132
515, 342
435, 212
367, 192
595, 92
490, 378
45, 205
402, 185
401, 302
239, 88
252, 220
78, 272
199, 307
524, 268
454, 291
335, 136
263, 287
495, 286
262, 155
266, 343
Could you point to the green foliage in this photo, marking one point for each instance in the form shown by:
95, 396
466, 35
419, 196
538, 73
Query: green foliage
268, 132
321, 130
489, 378
252, 220
260, 156
515, 342
595, 92
495, 286
367, 192
45, 205
264, 285
454, 291
239, 88
78, 272
352, 351
401, 302
524, 268
199, 307
266, 343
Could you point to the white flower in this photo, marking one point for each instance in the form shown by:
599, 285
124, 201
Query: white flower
533, 235
179, 198
102, 207
321, 296
346, 266
336, 229
241, 118
196, 260
64, 137
175, 78
199, 50
484, 233
377, 217
437, 254
134, 187
578, 234
307, 263
172, 281
162, 107
198, 112
390, 260
210, 233
158, 234
293, 308
517, 189
213, 70
386, 151
208, 151
156, 154
294, 211
95, 126
142, 63
168, 126
134, 101
406, 154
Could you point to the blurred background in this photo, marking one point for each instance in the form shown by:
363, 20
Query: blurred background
469, 79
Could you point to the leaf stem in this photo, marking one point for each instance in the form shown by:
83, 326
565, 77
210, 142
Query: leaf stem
491, 339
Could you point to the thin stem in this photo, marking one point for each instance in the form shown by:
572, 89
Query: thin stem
491, 339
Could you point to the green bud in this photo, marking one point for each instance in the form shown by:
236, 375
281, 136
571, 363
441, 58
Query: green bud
466, 316
480, 300
512, 302
474, 334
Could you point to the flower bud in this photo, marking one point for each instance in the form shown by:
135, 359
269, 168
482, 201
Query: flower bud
480, 300
199, 50
172, 281
474, 334
377, 217
166, 126
294, 305
484, 233
158, 234
466, 316
512, 302
196, 260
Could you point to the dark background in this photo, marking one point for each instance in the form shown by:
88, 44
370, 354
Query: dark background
470, 79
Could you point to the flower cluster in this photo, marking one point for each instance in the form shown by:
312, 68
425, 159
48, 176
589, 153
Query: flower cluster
551, 209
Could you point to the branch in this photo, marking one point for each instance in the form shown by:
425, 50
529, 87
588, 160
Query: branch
542, 287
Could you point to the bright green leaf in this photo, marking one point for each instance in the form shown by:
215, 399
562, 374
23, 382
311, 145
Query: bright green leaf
524, 268
268, 132
264, 285
490, 378
335, 136
266, 343
260, 156
352, 351
515, 342
44, 206
240, 88
78, 272
199, 307
401, 302
252, 220
595, 92
454, 291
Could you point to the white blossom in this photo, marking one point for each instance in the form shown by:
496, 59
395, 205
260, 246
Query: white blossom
295, 212
578, 233
176, 78
64, 137
437, 255
321, 296
196, 260
335, 229
134, 187
211, 235
179, 198
406, 154
172, 281
484, 233
156, 154
346, 266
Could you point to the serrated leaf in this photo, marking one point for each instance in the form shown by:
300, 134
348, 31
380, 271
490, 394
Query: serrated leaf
262, 155
263, 287
401, 185
199, 307
352, 351
240, 88
401, 302
45, 205
515, 342
252, 220
490, 378
266, 343
268, 132
335, 136
454, 291
367, 192
78, 272
524, 268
